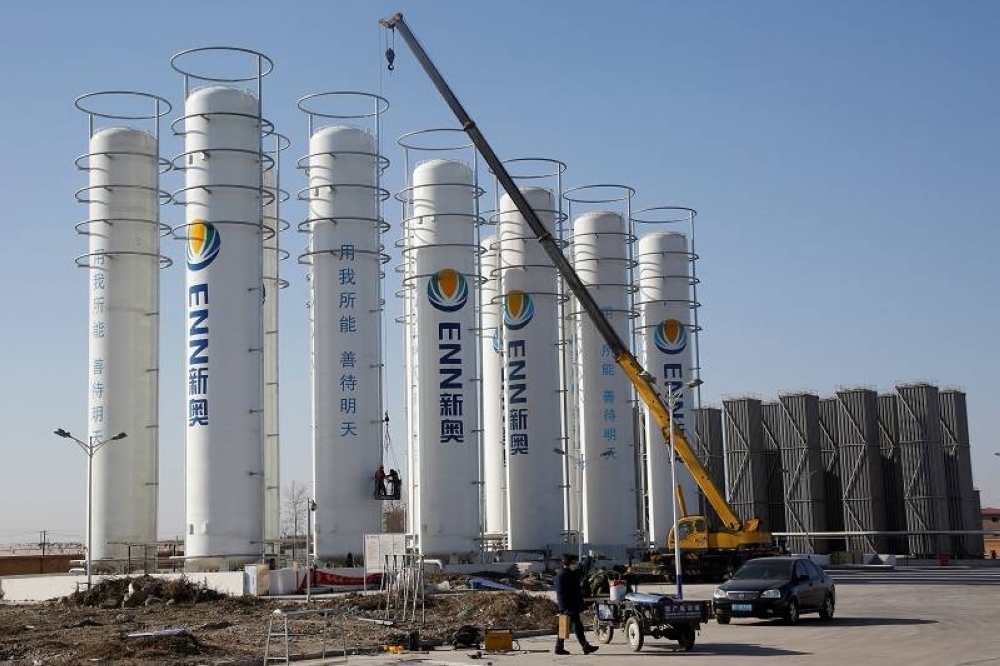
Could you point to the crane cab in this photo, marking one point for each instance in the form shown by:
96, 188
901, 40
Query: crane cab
693, 531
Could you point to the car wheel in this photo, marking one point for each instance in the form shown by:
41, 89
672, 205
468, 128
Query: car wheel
633, 631
604, 632
792, 614
826, 612
722, 619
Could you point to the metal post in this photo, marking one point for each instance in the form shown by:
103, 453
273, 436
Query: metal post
310, 507
672, 399
90, 449
90, 514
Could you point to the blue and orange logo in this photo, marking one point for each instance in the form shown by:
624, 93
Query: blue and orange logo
203, 244
448, 290
518, 309
670, 336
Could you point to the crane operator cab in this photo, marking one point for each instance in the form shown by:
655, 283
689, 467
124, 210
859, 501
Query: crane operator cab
693, 533
388, 487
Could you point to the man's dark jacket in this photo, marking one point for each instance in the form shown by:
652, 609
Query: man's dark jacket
569, 594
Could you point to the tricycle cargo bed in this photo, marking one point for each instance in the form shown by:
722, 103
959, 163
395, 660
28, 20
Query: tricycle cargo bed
659, 616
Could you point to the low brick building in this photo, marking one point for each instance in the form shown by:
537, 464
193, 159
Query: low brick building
991, 521
19, 565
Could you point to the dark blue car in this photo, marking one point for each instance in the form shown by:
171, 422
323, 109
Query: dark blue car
776, 587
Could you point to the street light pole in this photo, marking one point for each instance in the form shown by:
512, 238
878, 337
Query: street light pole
671, 400
675, 391
90, 449
310, 507
577, 499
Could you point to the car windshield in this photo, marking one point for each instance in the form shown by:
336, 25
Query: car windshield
766, 570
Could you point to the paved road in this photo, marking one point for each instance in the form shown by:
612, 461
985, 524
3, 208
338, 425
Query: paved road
914, 617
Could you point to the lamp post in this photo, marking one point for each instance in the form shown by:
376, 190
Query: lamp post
674, 392
90, 449
579, 462
310, 508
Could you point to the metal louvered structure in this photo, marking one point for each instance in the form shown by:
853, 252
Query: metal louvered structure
708, 444
922, 464
746, 477
963, 509
793, 423
892, 473
774, 480
830, 455
858, 443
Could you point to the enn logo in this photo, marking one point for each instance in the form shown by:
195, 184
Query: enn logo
449, 361
673, 377
198, 329
516, 372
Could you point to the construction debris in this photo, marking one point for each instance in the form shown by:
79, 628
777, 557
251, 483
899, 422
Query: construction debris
77, 628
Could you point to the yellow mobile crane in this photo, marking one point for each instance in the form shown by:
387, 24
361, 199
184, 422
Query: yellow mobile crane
706, 553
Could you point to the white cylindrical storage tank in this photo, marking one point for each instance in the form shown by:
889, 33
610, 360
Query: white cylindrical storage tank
272, 285
531, 372
664, 301
494, 477
443, 243
346, 311
600, 254
224, 378
124, 338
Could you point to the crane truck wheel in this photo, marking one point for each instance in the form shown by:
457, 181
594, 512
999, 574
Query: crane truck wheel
722, 619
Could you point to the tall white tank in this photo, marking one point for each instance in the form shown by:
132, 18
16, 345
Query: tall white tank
664, 301
124, 337
272, 286
494, 478
531, 371
346, 313
444, 250
607, 435
224, 380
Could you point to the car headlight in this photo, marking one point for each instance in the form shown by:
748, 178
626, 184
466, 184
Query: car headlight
770, 594
720, 594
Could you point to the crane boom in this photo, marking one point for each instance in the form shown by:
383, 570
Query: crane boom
641, 380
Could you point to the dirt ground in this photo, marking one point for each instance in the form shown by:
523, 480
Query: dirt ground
207, 628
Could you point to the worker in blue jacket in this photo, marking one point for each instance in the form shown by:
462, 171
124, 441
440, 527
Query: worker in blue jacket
569, 597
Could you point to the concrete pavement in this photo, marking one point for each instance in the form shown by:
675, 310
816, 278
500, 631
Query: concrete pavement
890, 622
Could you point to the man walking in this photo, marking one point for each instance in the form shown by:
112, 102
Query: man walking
569, 597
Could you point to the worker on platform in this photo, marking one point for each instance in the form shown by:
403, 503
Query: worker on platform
394, 484
380, 482
569, 597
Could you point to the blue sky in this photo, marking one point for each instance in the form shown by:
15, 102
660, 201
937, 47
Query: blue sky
844, 159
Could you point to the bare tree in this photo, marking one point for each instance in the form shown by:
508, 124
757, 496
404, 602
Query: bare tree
293, 512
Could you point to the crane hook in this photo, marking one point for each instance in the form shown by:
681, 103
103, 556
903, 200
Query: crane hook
390, 56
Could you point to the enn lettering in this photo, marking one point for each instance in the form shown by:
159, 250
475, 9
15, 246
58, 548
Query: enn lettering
198, 296
449, 355
673, 377
516, 372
